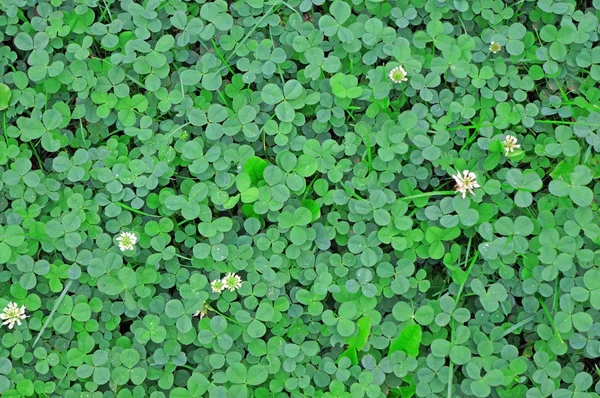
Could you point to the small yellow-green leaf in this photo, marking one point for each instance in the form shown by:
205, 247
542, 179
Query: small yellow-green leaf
5, 94
255, 167
409, 341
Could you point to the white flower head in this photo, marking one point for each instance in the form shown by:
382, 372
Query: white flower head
466, 181
203, 312
398, 74
510, 144
232, 282
217, 286
495, 47
127, 240
13, 314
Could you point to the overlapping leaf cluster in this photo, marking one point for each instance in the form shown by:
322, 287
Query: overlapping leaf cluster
265, 138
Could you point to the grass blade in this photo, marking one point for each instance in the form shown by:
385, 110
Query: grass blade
56, 304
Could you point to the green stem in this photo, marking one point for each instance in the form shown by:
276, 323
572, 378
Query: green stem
462, 285
82, 135
451, 364
463, 25
456, 300
368, 144
550, 319
135, 210
475, 134
21, 15
465, 127
308, 188
139, 83
163, 5
223, 98
225, 316
518, 325
555, 302
352, 193
177, 129
564, 122
37, 156
221, 56
4, 125
468, 250
425, 194
108, 10
182, 222
565, 98
56, 304
289, 6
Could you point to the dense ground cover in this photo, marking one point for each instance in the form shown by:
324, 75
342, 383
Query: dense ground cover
268, 198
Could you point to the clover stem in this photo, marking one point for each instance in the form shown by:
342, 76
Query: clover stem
464, 127
225, 316
456, 300
163, 5
82, 135
185, 258
555, 302
468, 272
468, 250
135, 210
56, 304
451, 364
136, 81
550, 319
223, 98
177, 129
182, 222
518, 325
462, 24
351, 193
37, 156
107, 8
368, 144
21, 15
221, 56
565, 122
4, 125
425, 194
472, 137
309, 188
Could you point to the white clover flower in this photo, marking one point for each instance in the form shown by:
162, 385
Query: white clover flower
495, 47
232, 281
13, 314
127, 240
466, 182
203, 312
510, 144
218, 285
398, 74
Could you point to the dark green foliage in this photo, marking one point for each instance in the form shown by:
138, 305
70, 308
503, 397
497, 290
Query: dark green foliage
153, 152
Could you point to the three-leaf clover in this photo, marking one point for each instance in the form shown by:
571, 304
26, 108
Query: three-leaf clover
575, 187
332, 24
